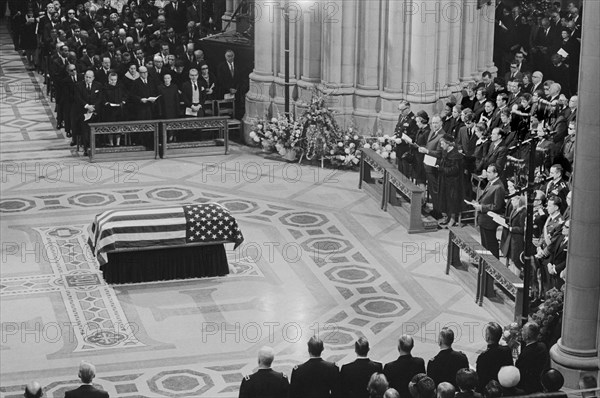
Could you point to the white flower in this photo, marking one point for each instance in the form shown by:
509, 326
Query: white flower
256, 139
259, 126
386, 137
367, 146
252, 134
352, 145
274, 120
385, 155
380, 139
388, 147
332, 152
355, 137
347, 150
340, 144
375, 146
393, 155
342, 157
350, 129
506, 334
398, 140
346, 137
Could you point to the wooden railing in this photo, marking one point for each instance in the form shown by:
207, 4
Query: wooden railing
396, 194
489, 269
205, 135
149, 139
139, 138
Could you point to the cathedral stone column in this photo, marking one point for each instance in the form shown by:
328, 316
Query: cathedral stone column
227, 16
338, 66
488, 19
394, 71
453, 12
258, 97
368, 63
577, 350
468, 53
310, 59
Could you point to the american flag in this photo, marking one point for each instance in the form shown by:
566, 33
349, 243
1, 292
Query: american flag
204, 223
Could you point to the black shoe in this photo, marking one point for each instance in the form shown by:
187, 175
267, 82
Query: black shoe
72, 143
85, 152
69, 135
59, 126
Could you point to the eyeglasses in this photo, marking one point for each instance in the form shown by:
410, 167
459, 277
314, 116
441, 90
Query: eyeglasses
204, 68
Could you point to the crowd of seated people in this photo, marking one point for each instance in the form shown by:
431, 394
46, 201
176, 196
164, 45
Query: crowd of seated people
447, 375
142, 62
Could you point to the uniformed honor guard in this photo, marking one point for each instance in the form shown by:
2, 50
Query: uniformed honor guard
315, 378
265, 382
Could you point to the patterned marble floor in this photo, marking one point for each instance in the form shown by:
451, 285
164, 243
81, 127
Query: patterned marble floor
319, 257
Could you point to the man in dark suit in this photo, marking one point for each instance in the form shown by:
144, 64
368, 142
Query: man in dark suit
487, 82
355, 376
537, 80
501, 103
497, 152
443, 367
67, 87
406, 125
193, 94
315, 378
400, 372
557, 262
492, 199
87, 372
494, 357
533, 360
433, 148
176, 13
142, 91
101, 75
88, 98
265, 382
228, 75
194, 13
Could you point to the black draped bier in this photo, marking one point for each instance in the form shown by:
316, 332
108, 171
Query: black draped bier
165, 264
214, 48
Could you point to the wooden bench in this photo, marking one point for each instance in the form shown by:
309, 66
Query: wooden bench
397, 194
489, 269
143, 132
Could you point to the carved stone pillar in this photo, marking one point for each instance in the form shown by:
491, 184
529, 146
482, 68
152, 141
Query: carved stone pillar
577, 350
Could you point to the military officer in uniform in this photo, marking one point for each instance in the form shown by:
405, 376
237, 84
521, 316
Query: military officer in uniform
265, 382
406, 125
558, 186
315, 378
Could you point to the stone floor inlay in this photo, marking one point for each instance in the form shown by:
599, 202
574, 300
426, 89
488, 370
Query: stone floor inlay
339, 268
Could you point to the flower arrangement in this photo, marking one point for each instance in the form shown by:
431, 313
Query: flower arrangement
384, 146
549, 314
347, 151
322, 132
279, 134
512, 335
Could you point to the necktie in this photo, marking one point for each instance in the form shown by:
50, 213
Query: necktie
74, 80
89, 88
195, 87
431, 135
231, 68
175, 6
